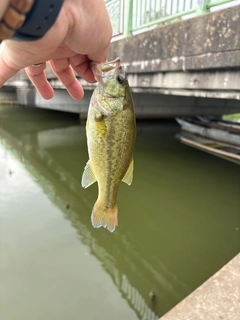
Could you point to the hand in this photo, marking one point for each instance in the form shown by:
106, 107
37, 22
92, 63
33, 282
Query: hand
81, 33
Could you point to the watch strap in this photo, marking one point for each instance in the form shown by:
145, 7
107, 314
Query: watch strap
38, 20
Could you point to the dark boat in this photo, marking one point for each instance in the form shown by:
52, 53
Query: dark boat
220, 138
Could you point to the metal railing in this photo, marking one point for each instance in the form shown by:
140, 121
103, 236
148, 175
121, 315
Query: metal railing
210, 3
116, 13
132, 16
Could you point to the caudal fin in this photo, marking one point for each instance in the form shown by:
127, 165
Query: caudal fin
104, 217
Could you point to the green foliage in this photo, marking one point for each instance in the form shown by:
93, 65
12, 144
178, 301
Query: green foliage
232, 117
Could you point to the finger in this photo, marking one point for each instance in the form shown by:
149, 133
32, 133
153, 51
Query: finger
39, 80
6, 72
65, 74
81, 64
100, 56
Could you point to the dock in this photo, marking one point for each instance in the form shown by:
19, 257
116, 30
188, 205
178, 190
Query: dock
217, 298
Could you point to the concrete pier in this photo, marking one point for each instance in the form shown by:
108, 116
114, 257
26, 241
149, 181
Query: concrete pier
147, 105
217, 298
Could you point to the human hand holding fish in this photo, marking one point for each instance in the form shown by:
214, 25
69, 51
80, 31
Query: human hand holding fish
82, 32
111, 132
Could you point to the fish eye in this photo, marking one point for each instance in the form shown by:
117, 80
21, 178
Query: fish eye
120, 79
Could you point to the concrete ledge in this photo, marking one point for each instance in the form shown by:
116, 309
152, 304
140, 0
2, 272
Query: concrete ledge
218, 298
61, 100
147, 104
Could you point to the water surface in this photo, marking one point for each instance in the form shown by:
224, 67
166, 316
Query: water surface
178, 222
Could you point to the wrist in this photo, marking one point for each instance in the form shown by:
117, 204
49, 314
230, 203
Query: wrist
29, 20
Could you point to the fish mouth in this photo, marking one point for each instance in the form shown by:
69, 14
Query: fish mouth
99, 68
100, 71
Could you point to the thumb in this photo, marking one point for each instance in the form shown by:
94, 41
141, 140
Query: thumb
100, 56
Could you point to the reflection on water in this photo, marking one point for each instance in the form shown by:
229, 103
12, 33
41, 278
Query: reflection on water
178, 222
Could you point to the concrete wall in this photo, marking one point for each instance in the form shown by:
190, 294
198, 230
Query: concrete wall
8, 95
206, 42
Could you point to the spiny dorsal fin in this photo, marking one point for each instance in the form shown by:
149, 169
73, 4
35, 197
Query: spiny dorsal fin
128, 178
88, 177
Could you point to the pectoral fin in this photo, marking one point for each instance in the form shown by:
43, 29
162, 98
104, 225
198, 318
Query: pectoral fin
88, 177
128, 178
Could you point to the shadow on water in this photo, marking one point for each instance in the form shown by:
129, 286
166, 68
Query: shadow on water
178, 222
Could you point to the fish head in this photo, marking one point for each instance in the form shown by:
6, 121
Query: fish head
112, 92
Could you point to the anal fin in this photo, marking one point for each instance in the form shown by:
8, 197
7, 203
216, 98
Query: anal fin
128, 178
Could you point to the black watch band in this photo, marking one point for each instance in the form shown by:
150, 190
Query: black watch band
38, 20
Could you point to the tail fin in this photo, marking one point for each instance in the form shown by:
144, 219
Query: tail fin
104, 217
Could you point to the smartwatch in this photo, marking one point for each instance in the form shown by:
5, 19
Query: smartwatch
39, 20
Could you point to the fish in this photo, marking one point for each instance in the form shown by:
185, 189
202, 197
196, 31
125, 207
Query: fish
111, 134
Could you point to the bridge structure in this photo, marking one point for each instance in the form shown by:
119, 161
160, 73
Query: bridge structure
182, 58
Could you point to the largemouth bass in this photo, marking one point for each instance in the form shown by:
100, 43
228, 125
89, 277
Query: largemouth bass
111, 131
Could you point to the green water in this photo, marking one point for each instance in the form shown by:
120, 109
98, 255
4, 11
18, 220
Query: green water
179, 222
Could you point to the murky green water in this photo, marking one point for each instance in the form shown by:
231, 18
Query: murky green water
179, 222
